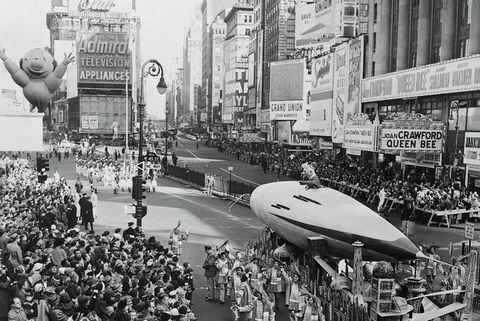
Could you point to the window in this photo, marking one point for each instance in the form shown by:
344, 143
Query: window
245, 18
247, 32
375, 11
374, 42
373, 69
473, 117
249, 18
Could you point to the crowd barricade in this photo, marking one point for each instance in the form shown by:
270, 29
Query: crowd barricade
446, 215
220, 185
354, 190
188, 175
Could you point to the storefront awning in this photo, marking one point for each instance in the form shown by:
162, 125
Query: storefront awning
301, 126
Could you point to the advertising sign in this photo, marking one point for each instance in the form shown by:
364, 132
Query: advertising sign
421, 159
287, 97
251, 137
472, 149
21, 132
339, 93
469, 230
103, 58
307, 32
286, 110
412, 139
89, 122
259, 68
360, 137
458, 75
355, 72
99, 9
321, 96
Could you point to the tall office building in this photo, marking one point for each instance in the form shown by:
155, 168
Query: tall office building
218, 31
278, 44
210, 9
192, 67
235, 98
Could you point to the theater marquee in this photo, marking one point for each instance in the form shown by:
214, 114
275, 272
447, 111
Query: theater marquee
103, 58
412, 139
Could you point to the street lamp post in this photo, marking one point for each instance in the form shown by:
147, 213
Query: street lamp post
154, 69
166, 131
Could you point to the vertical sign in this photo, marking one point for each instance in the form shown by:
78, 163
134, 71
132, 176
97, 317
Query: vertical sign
355, 72
469, 230
339, 93
321, 96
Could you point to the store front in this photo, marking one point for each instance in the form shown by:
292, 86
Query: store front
448, 91
472, 160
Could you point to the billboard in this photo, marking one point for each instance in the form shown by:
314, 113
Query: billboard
472, 148
96, 9
103, 58
287, 95
98, 113
259, 63
355, 72
339, 92
21, 132
309, 32
321, 93
452, 76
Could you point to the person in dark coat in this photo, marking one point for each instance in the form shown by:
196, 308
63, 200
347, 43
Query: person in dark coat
5, 297
82, 203
71, 215
88, 218
129, 231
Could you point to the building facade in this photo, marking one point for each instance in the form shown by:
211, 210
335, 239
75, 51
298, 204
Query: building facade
192, 67
421, 59
278, 44
210, 9
96, 96
218, 31
239, 23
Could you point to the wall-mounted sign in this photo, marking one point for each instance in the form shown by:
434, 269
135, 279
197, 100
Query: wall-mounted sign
103, 57
360, 137
355, 152
411, 139
472, 149
340, 92
100, 9
89, 122
286, 110
458, 75
421, 159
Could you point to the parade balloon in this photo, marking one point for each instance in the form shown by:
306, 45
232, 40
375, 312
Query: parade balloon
38, 75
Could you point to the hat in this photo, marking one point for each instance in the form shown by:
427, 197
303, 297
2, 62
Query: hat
38, 287
116, 287
173, 293
174, 312
150, 262
64, 297
117, 230
106, 233
130, 223
13, 236
189, 270
37, 267
239, 268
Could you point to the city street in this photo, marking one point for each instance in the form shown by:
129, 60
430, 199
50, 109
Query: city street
209, 220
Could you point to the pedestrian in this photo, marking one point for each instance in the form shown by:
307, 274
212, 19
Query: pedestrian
88, 218
83, 207
197, 144
16, 312
94, 200
222, 279
210, 272
130, 231
174, 159
432, 268
165, 164
78, 185
71, 214
244, 301
13, 248
176, 240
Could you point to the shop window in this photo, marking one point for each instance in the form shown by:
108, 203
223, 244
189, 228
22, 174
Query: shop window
473, 119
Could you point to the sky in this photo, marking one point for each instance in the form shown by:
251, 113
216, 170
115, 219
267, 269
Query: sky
164, 25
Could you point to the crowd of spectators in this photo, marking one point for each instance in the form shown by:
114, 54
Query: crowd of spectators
52, 271
385, 181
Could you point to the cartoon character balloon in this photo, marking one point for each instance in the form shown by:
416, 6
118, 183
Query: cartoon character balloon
38, 75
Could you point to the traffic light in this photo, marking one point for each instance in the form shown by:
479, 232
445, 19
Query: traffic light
139, 188
39, 163
143, 188
134, 187
45, 165
140, 212
42, 178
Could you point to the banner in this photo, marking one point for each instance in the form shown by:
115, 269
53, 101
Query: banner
339, 93
355, 72
472, 148
411, 139
458, 75
103, 58
21, 132
423, 159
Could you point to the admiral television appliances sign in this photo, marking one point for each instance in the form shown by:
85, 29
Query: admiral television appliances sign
103, 58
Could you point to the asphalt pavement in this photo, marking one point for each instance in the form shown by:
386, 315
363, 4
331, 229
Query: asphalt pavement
207, 218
